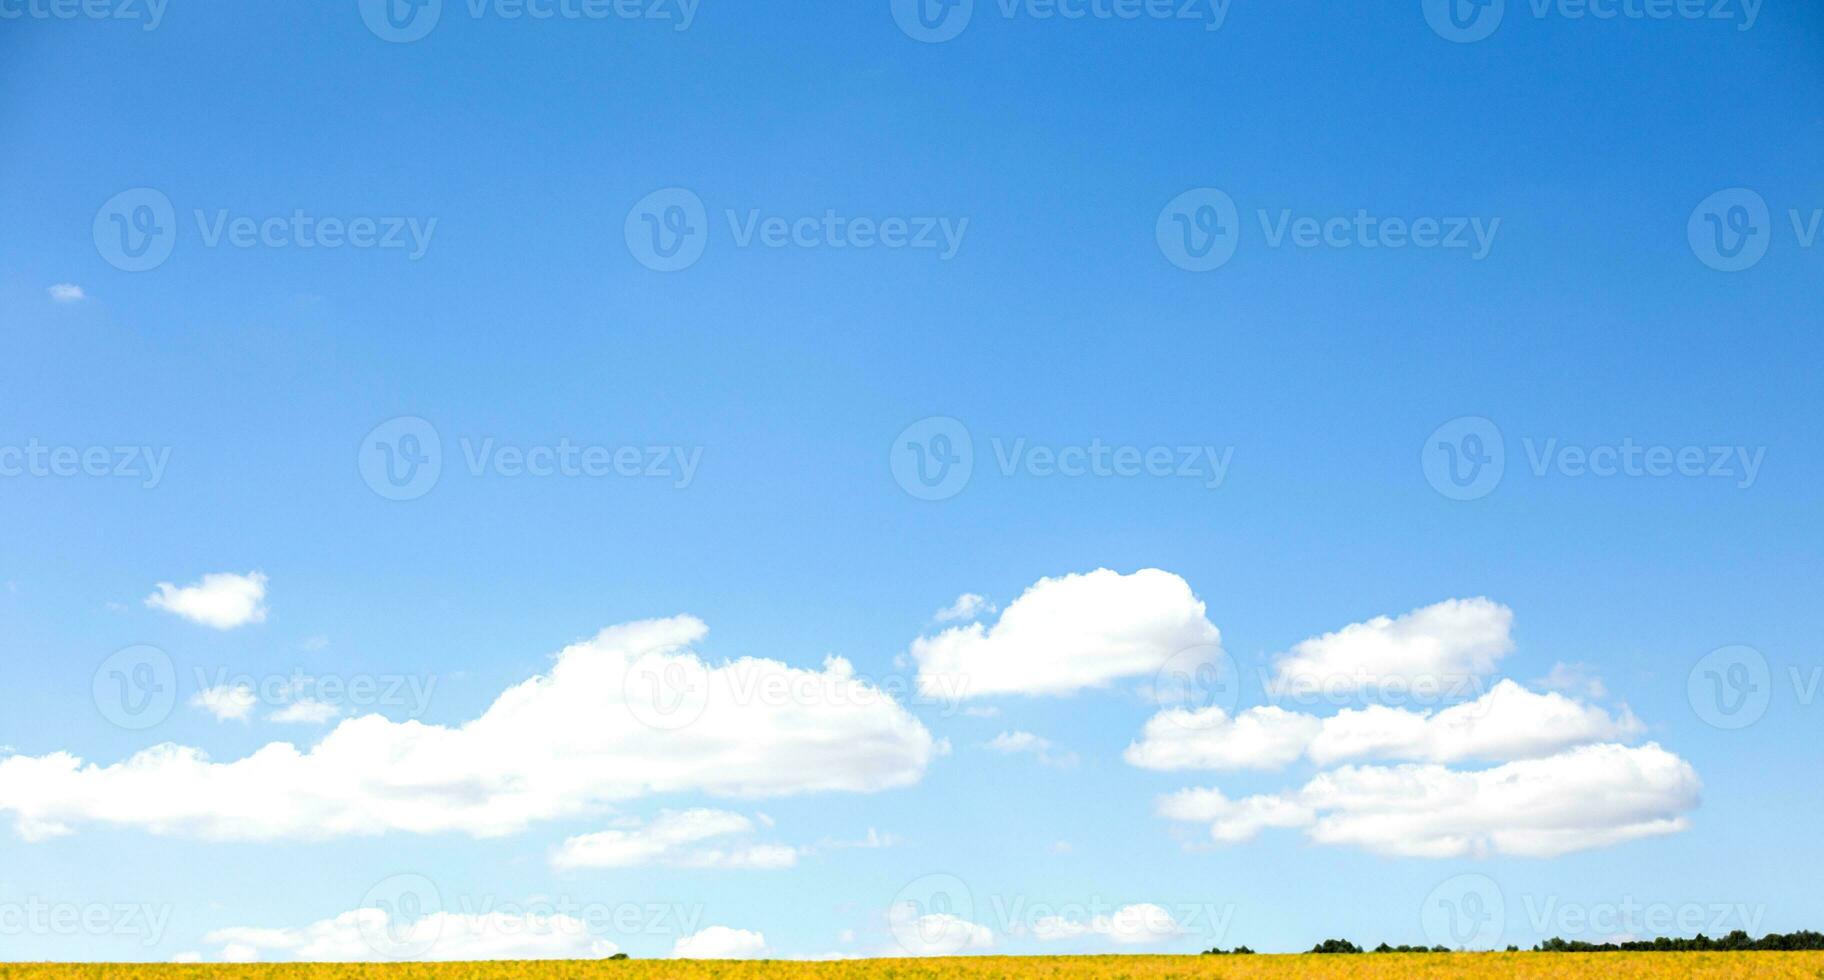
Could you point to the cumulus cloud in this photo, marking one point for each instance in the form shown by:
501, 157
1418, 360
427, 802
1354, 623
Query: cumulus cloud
371, 935
1266, 737
720, 943
672, 840
967, 606
1442, 646
934, 933
221, 600
306, 711
66, 292
1507, 723
227, 702
1130, 925
1067, 634
630, 713
1587, 797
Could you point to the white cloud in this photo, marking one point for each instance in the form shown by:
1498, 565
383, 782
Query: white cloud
306, 711
1067, 634
1130, 925
67, 292
370, 935
221, 600
1507, 723
934, 933
1587, 797
1265, 737
592, 732
227, 702
1442, 645
720, 943
967, 606
1232, 821
190, 956
669, 839
1578, 680
1026, 743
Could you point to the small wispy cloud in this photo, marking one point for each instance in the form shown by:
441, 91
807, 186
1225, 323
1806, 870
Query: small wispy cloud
67, 292
967, 606
1026, 743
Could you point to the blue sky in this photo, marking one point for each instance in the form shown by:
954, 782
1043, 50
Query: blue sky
1644, 188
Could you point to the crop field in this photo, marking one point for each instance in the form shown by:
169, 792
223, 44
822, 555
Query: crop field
1608, 966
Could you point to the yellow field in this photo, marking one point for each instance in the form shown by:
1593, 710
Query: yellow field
1607, 966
